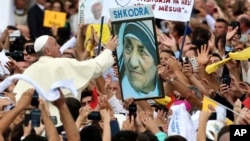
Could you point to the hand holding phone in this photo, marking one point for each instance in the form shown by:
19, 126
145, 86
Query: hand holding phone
35, 101
132, 110
27, 117
237, 24
94, 115
35, 117
226, 80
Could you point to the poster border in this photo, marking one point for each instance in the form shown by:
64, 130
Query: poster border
160, 81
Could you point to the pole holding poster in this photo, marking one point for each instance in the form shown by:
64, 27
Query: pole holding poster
183, 41
81, 9
137, 71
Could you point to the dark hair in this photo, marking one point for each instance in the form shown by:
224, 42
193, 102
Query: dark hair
222, 131
125, 136
7, 133
222, 21
222, 39
245, 20
17, 132
175, 138
91, 133
216, 55
34, 137
200, 33
74, 105
11, 27
60, 2
238, 7
63, 34
86, 93
146, 136
29, 41
167, 51
179, 27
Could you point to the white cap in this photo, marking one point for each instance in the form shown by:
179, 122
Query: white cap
40, 42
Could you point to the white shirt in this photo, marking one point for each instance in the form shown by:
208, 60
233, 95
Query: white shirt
40, 6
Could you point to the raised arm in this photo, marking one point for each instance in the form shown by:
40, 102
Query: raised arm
80, 49
185, 91
23, 103
67, 120
50, 129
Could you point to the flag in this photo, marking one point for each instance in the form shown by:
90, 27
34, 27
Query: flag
208, 101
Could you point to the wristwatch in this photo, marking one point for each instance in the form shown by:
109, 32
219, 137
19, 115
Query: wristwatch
22, 138
170, 81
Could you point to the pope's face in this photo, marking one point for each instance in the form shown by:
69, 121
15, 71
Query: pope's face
139, 64
97, 10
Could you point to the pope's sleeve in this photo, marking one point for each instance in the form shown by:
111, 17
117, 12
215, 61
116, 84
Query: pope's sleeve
21, 85
103, 62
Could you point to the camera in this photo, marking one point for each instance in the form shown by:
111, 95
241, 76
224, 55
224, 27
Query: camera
236, 24
94, 115
199, 43
132, 110
185, 60
16, 55
63, 133
226, 80
33, 115
27, 117
34, 101
54, 119
16, 41
14, 35
30, 49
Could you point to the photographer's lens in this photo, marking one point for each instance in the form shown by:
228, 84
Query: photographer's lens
30, 49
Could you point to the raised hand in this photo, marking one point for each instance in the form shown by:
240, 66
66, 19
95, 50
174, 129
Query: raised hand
203, 55
230, 33
129, 124
149, 123
25, 99
169, 42
105, 115
112, 43
211, 42
13, 67
173, 64
61, 101
187, 70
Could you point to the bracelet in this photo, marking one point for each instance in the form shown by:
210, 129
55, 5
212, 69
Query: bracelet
171, 80
22, 138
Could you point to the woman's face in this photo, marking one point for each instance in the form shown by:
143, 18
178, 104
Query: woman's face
164, 57
56, 7
31, 58
139, 64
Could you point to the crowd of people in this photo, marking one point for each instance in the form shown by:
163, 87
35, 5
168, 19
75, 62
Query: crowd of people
100, 112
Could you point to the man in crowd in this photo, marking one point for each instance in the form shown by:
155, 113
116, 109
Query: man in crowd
35, 20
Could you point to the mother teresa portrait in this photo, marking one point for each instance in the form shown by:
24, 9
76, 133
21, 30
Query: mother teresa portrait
137, 60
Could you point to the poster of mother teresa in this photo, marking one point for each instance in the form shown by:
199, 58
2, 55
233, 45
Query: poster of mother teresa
137, 56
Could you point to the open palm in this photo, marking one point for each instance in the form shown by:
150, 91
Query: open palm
203, 55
